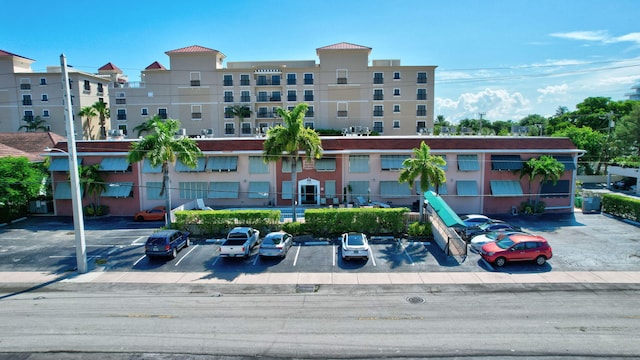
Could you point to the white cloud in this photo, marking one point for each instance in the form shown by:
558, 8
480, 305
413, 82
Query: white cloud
552, 90
599, 36
496, 104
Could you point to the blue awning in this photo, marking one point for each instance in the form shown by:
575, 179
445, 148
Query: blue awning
258, 190
506, 162
63, 191
467, 187
566, 160
222, 163
147, 168
223, 190
118, 190
114, 164
61, 164
180, 166
468, 163
506, 188
448, 216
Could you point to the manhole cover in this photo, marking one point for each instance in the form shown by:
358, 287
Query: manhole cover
415, 300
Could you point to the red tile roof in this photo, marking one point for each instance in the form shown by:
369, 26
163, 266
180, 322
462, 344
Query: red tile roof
109, 66
155, 66
6, 53
191, 49
30, 143
344, 46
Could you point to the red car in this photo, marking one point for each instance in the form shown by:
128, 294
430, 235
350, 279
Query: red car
155, 214
517, 247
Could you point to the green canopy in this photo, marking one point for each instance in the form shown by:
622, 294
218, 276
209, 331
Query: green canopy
448, 216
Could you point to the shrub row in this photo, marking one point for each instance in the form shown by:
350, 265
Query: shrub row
219, 222
621, 206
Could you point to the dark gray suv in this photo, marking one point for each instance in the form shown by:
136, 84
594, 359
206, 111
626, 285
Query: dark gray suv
166, 243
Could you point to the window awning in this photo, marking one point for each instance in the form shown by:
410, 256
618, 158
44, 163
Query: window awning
61, 164
506, 162
180, 166
566, 160
258, 190
448, 216
147, 168
393, 189
506, 188
118, 190
222, 163
468, 163
442, 189
392, 162
223, 190
63, 191
467, 187
561, 188
114, 164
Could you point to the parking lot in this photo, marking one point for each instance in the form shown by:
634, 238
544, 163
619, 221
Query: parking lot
581, 242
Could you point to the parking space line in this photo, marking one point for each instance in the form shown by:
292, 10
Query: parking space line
135, 242
295, 259
255, 261
404, 249
372, 256
137, 261
185, 255
334, 254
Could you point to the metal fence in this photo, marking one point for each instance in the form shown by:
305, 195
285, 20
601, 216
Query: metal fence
446, 237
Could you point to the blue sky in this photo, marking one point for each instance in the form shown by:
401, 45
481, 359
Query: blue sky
506, 59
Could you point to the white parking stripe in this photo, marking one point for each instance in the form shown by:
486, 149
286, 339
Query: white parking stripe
255, 261
137, 261
135, 242
334, 254
215, 261
185, 255
295, 260
373, 258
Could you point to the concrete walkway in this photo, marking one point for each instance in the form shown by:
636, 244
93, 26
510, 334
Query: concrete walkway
97, 276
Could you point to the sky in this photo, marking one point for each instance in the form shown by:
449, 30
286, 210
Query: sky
504, 59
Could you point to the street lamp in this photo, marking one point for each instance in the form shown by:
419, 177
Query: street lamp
78, 218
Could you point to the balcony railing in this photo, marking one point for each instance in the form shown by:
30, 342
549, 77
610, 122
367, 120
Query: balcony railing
291, 81
121, 101
195, 82
267, 82
378, 80
421, 97
229, 131
378, 112
227, 82
343, 113
228, 99
310, 113
421, 113
341, 80
27, 102
378, 97
25, 86
265, 114
292, 98
422, 80
244, 82
122, 116
308, 98
262, 98
308, 81
196, 115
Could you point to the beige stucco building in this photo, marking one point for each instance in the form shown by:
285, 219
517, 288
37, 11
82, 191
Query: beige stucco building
345, 91
25, 95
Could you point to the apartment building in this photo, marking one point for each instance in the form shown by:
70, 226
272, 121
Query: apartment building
26, 95
482, 174
345, 91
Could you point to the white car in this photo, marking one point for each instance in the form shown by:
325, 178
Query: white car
355, 245
477, 241
276, 244
471, 220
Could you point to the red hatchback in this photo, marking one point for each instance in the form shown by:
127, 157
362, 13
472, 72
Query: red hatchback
517, 247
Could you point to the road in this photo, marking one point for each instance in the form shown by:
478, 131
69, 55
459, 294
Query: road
338, 322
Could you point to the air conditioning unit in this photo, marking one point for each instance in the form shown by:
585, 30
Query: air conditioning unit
206, 132
115, 132
181, 133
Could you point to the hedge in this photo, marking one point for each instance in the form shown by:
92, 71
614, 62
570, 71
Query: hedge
326, 222
621, 206
219, 222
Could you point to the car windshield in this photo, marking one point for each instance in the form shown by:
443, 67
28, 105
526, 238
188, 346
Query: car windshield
155, 241
272, 240
494, 235
505, 243
355, 240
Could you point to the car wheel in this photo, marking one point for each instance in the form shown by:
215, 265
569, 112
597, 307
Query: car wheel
139, 218
187, 243
174, 253
500, 261
540, 260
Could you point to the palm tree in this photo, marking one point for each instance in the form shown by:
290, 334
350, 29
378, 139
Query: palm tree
89, 112
146, 126
33, 124
547, 167
104, 113
94, 184
162, 148
287, 141
426, 166
239, 111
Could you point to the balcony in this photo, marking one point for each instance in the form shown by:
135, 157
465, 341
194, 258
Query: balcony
276, 98
421, 97
229, 131
267, 82
262, 98
310, 113
265, 115
244, 82
308, 81
291, 81
378, 80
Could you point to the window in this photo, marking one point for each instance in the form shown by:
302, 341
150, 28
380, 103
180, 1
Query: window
44, 97
378, 94
396, 92
153, 190
286, 165
194, 78
378, 110
309, 124
359, 188
228, 112
193, 189
396, 108
121, 101
245, 128
378, 126
227, 80
358, 163
275, 79
308, 95
275, 96
262, 96
244, 80
560, 189
291, 79
421, 127
122, 114
396, 75
468, 163
100, 88
342, 109
330, 188
258, 190
467, 187
378, 78
228, 96
308, 79
162, 113
257, 165
45, 113
394, 189
341, 76
43, 81
263, 112
421, 110
87, 85
287, 190
28, 115
396, 124
196, 112
392, 162
144, 111
222, 163
223, 190
310, 112
325, 164
123, 128
182, 167
262, 80
26, 99
292, 95
506, 162
245, 96
422, 78
229, 129
422, 94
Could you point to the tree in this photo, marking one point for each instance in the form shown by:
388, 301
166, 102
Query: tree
93, 182
20, 182
103, 114
33, 124
426, 166
88, 112
546, 167
146, 126
286, 141
162, 148
587, 139
239, 111
627, 130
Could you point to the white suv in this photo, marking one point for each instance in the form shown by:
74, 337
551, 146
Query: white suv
355, 245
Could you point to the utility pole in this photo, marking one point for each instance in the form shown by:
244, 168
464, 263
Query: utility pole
481, 116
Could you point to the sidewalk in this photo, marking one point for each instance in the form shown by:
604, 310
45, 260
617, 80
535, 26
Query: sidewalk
427, 278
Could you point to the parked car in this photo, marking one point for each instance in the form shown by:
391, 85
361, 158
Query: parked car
488, 227
626, 183
517, 247
354, 245
240, 241
276, 243
478, 241
470, 220
166, 243
155, 214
